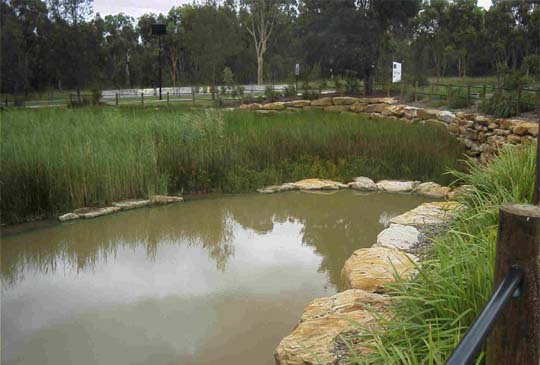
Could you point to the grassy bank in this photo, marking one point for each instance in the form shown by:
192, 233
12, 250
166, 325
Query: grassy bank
54, 160
433, 311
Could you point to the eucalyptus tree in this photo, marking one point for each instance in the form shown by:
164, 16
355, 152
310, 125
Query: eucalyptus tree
347, 35
120, 43
259, 19
212, 37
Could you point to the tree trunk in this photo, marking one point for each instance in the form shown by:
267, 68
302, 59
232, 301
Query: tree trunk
260, 69
368, 83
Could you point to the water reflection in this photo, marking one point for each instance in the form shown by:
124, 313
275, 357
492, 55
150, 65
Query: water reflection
332, 224
218, 280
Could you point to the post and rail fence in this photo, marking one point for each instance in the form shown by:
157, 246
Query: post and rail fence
514, 101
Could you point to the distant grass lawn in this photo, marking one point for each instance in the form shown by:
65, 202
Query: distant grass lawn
54, 160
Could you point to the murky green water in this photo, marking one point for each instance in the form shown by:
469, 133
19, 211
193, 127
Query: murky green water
213, 281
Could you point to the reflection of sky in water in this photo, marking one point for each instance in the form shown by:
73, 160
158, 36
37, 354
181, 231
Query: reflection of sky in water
219, 280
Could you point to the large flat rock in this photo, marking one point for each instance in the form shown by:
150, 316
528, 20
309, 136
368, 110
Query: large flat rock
428, 214
313, 340
277, 188
68, 217
91, 212
363, 183
432, 190
395, 186
399, 237
319, 184
372, 268
132, 204
164, 199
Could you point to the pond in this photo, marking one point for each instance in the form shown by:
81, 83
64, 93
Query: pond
214, 280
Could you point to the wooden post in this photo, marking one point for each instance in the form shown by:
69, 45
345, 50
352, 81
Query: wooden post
416, 91
518, 107
536, 192
142, 98
168, 98
401, 86
515, 338
116, 98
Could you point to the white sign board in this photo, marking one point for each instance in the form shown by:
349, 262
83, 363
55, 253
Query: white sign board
396, 72
297, 69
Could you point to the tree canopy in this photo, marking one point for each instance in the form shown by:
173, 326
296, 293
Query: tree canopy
63, 44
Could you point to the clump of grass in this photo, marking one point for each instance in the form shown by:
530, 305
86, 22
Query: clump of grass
54, 160
432, 312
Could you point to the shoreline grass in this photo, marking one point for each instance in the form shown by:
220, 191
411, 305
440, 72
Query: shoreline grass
432, 312
54, 160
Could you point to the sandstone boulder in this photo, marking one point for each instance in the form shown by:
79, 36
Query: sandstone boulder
164, 199
460, 191
313, 340
428, 214
395, 110
397, 236
277, 188
376, 108
410, 112
131, 204
278, 105
251, 107
344, 100
394, 186
372, 268
297, 103
358, 107
446, 117
337, 108
363, 183
525, 127
92, 212
322, 102
319, 184
68, 217
484, 121
425, 114
432, 190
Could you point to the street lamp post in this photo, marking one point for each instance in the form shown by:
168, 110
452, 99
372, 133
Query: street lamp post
159, 30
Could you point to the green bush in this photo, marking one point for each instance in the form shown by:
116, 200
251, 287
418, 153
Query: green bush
290, 91
458, 98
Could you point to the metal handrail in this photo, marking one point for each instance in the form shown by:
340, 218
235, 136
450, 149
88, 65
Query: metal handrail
470, 345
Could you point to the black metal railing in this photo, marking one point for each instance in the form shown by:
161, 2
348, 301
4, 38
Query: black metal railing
470, 345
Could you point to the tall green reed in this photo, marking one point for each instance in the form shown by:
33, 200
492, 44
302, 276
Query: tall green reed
54, 160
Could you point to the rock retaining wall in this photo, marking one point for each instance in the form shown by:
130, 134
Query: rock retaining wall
481, 135
318, 336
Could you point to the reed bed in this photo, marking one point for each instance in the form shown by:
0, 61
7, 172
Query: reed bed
432, 312
54, 160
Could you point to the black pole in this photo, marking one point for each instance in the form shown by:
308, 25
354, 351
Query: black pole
159, 38
471, 343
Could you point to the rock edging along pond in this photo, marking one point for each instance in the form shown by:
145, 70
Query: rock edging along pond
481, 135
316, 338
429, 189
94, 212
362, 183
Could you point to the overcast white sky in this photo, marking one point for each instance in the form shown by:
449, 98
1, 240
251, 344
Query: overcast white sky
136, 8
